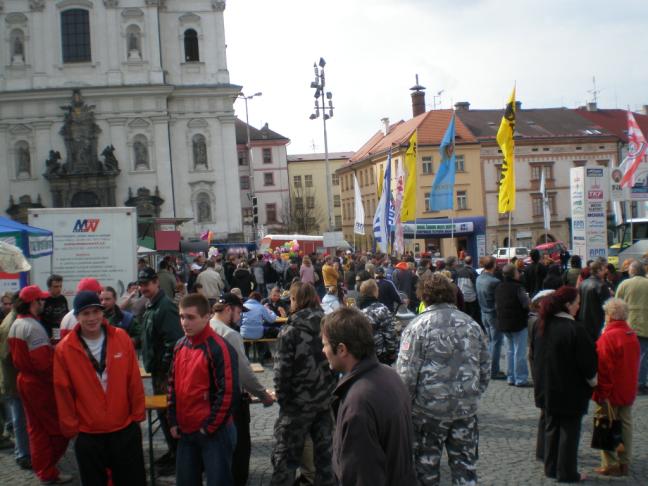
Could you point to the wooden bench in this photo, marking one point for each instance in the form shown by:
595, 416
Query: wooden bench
253, 343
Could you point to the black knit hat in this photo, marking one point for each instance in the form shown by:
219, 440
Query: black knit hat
84, 300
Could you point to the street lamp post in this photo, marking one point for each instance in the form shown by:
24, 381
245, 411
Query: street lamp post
318, 85
249, 154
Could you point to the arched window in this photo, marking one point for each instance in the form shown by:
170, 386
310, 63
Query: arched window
140, 153
23, 159
199, 151
134, 42
203, 207
191, 46
75, 35
17, 46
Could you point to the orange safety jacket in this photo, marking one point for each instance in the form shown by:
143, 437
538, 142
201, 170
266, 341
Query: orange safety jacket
82, 403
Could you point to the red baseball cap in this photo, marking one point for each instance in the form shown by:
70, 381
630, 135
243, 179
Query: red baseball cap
89, 284
32, 293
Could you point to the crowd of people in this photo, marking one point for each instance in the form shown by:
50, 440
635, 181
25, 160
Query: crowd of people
339, 348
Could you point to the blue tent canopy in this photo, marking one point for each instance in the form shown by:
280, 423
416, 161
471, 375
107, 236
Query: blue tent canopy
34, 242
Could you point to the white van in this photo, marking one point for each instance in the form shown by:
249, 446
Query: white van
504, 255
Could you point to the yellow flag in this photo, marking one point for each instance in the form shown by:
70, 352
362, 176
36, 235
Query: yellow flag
506, 197
408, 207
381, 176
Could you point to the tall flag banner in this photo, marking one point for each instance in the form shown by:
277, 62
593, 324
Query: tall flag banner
636, 152
408, 207
506, 197
381, 218
442, 193
546, 211
399, 232
381, 176
359, 227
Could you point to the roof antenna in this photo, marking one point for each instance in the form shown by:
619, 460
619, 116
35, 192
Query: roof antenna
594, 91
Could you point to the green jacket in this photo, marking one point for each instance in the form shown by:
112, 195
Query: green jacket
634, 292
8, 372
161, 331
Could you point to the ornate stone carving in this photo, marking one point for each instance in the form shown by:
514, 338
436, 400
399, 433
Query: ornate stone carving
218, 5
110, 163
80, 133
52, 165
147, 204
18, 212
36, 5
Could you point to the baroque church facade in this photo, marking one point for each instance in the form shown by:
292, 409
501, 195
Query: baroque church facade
119, 102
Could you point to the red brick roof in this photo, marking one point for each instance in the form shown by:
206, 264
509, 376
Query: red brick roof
431, 127
614, 121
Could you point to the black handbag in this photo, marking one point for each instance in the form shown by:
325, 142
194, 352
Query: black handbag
607, 429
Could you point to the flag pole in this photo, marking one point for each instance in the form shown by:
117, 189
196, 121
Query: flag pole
509, 237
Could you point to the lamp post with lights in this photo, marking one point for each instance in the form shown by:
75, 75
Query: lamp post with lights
249, 156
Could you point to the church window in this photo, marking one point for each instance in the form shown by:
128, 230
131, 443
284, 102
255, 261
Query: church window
75, 32
191, 46
133, 43
140, 153
203, 207
23, 160
199, 151
17, 46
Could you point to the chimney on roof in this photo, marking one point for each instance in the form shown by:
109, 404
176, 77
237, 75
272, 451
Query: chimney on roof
462, 106
385, 124
645, 109
418, 98
518, 106
591, 106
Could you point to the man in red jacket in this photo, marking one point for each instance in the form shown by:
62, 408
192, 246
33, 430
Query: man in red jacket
203, 393
32, 355
618, 367
100, 397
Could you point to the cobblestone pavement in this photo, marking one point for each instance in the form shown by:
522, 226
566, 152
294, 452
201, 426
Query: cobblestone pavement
507, 420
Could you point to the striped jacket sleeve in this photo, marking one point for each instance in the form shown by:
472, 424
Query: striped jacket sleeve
224, 383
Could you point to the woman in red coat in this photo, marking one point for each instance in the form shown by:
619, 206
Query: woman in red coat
618, 369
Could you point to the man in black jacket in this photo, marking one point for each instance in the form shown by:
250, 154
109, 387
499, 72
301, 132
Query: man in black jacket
373, 437
593, 293
535, 274
512, 306
387, 293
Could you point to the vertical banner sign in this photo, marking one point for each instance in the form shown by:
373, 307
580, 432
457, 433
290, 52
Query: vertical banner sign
589, 188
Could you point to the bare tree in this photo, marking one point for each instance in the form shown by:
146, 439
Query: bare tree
301, 214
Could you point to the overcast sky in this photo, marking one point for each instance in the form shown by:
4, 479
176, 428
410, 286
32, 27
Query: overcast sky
473, 50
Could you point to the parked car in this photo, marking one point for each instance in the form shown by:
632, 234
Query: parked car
504, 255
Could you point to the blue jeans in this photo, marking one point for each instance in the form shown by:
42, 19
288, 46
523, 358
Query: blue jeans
211, 453
495, 339
14, 411
516, 357
643, 361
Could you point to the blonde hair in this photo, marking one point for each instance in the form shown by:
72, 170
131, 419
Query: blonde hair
369, 288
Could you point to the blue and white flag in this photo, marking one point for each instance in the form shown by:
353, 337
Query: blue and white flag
359, 227
381, 219
442, 193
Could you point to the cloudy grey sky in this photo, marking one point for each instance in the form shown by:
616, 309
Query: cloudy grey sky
473, 50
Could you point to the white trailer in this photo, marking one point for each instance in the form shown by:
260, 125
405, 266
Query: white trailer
88, 242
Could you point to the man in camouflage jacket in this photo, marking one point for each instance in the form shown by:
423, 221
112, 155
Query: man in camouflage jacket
445, 364
304, 386
382, 322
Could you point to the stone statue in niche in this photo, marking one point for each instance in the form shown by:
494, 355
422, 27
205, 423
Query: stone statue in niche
141, 155
17, 50
24, 161
204, 210
133, 46
80, 133
52, 164
199, 152
110, 161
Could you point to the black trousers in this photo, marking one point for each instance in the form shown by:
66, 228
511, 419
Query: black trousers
562, 434
120, 451
540, 439
241, 458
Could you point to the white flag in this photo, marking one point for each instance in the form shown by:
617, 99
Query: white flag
546, 210
359, 227
381, 218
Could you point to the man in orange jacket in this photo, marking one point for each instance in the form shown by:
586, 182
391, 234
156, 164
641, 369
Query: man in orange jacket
100, 397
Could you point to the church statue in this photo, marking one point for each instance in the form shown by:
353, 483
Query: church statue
110, 161
199, 152
52, 164
24, 161
141, 155
80, 133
